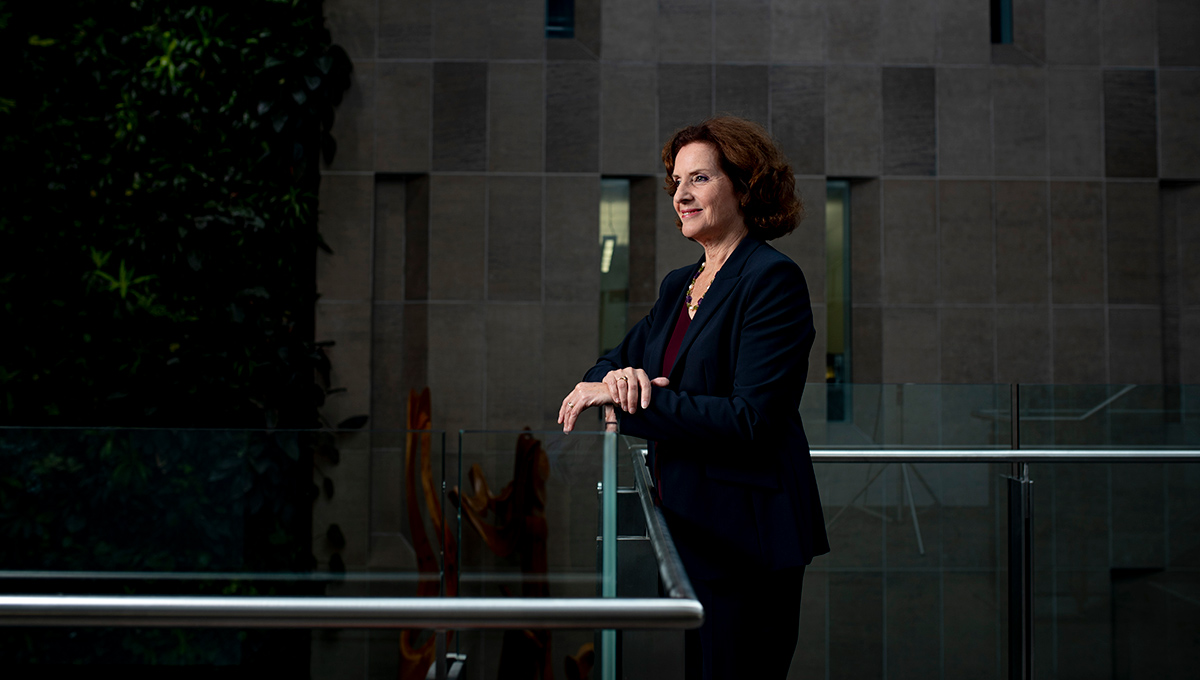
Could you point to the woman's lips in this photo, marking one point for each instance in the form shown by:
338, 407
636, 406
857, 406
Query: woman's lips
690, 212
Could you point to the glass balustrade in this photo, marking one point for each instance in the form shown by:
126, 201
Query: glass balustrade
914, 480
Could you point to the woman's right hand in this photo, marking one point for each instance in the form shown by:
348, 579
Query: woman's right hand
585, 395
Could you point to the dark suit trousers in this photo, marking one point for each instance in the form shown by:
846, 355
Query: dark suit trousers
751, 621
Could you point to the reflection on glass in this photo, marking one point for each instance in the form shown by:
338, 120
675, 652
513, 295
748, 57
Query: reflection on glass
614, 261
837, 299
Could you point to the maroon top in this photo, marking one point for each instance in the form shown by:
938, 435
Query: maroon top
669, 356
681, 326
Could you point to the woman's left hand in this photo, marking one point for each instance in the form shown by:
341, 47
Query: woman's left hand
585, 395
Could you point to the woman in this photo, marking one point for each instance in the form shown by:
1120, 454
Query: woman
712, 377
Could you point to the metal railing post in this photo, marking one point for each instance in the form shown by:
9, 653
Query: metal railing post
1020, 557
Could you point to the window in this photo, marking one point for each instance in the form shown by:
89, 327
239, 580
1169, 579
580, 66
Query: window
1002, 22
560, 18
614, 261
837, 300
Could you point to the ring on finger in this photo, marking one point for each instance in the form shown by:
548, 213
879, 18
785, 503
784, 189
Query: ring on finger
623, 378
570, 403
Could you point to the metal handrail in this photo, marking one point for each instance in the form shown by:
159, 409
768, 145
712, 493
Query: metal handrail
347, 612
679, 610
670, 568
1004, 456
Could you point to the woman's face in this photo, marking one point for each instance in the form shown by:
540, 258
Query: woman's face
704, 198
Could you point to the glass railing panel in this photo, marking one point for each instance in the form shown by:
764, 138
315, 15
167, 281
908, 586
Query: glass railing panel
915, 584
907, 416
535, 519
208, 512
1117, 569
1110, 416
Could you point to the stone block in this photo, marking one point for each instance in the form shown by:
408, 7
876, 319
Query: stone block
1128, 33
460, 29
853, 31
866, 344
387, 263
352, 25
964, 130
963, 33
856, 622
628, 30
1075, 123
354, 122
572, 240
1079, 353
348, 325
457, 366
572, 117
1189, 352
516, 30
629, 119
910, 242
1077, 242
968, 345
1186, 225
966, 242
515, 238
456, 244
910, 341
570, 343
865, 242
741, 30
389, 393
1023, 344
684, 97
742, 91
402, 117
806, 245
416, 238
910, 36
798, 116
1029, 29
1134, 243
1179, 108
514, 366
1130, 124
1019, 121
798, 31
1178, 26
414, 369
685, 31
460, 115
1135, 346
1072, 32
909, 111
515, 132
345, 223
406, 30
853, 120
1022, 243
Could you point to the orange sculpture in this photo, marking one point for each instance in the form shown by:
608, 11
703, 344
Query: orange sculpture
415, 659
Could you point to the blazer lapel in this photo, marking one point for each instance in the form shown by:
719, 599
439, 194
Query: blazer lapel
725, 282
661, 333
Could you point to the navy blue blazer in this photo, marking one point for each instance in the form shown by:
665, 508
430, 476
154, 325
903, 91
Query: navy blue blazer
732, 459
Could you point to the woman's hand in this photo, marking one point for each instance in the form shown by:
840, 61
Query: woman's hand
630, 388
584, 395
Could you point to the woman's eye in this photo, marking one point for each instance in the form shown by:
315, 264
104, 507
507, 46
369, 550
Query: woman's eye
701, 178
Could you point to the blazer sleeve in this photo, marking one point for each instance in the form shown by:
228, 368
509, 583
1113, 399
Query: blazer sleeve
773, 338
632, 350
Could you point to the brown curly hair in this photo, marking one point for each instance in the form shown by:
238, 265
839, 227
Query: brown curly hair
762, 178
